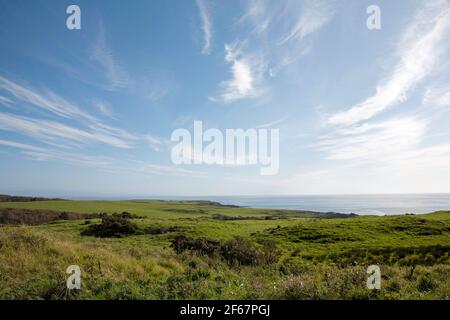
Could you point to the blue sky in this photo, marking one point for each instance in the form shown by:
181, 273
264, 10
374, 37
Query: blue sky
90, 112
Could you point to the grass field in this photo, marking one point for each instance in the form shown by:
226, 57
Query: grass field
278, 254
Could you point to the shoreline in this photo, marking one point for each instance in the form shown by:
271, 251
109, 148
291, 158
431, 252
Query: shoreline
361, 205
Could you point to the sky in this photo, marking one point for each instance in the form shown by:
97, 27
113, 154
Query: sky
90, 112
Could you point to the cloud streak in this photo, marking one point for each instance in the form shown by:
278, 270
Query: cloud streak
437, 96
48, 101
100, 162
104, 108
396, 148
419, 53
90, 128
380, 142
115, 74
50, 130
206, 26
314, 14
246, 72
4, 100
265, 25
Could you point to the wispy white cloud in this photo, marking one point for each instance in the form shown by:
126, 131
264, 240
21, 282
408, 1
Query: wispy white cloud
437, 96
378, 142
262, 26
156, 143
50, 130
145, 85
384, 156
258, 15
419, 52
313, 15
241, 84
47, 154
272, 123
394, 151
103, 107
246, 72
116, 75
20, 145
5, 100
47, 100
287, 21
206, 25
90, 128
100, 162
154, 91
397, 147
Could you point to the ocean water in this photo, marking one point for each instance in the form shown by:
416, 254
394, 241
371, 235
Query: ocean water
359, 204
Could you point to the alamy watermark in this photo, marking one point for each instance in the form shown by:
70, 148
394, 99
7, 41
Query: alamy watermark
73, 21
374, 20
74, 280
374, 279
234, 147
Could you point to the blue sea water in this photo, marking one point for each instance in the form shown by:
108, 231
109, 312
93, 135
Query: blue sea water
359, 204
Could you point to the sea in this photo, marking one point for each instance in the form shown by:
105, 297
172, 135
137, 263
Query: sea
381, 204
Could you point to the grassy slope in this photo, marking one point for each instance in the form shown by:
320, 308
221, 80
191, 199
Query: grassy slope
321, 258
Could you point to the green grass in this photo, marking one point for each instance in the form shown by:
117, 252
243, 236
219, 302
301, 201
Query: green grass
319, 258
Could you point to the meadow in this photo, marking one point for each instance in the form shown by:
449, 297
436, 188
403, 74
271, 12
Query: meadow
205, 250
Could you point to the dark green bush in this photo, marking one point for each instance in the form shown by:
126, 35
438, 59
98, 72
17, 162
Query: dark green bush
239, 251
114, 226
425, 284
201, 245
160, 230
19, 216
270, 252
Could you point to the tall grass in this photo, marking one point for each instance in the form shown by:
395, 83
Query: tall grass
297, 258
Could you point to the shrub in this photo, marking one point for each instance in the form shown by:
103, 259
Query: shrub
425, 284
205, 246
201, 245
290, 267
114, 226
393, 286
180, 244
160, 230
18, 216
239, 251
127, 215
270, 253
297, 288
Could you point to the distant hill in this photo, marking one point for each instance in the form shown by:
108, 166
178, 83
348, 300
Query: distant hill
8, 198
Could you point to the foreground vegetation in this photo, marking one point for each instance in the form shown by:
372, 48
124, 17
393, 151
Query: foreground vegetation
204, 250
